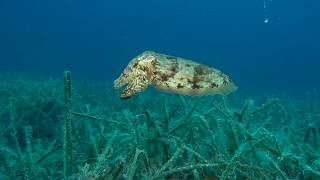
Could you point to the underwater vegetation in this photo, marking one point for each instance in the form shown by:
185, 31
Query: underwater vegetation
54, 130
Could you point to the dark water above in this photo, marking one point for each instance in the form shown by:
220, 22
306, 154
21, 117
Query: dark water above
262, 44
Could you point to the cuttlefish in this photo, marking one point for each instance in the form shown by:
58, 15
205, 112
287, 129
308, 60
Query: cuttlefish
172, 74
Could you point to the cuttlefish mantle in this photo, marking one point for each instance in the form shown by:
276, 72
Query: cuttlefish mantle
172, 74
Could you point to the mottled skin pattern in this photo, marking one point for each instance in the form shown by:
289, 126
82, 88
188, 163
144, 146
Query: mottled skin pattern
172, 74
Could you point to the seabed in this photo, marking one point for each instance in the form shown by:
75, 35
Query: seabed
68, 129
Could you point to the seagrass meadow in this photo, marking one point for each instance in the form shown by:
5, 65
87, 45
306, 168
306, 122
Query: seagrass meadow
64, 129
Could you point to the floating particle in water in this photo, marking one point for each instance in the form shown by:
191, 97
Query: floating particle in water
172, 74
266, 4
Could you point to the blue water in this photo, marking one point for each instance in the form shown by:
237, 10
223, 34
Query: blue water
268, 129
96, 39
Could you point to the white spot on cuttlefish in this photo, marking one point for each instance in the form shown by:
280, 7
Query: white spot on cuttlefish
172, 74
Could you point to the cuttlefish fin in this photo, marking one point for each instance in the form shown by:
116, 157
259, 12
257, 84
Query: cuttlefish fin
136, 85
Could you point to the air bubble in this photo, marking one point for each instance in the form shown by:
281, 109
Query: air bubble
266, 4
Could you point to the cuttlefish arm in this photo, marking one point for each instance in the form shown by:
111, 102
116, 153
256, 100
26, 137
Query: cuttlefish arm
137, 75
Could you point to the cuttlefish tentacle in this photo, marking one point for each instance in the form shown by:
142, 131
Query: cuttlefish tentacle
172, 74
121, 81
138, 84
137, 75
